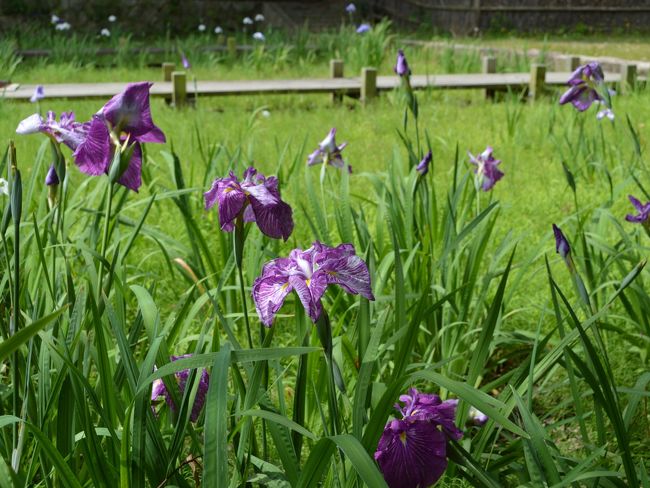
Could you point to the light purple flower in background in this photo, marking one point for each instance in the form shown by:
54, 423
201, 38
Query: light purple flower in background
258, 36
218, 30
66, 130
351, 8
308, 273
561, 244
63, 26
363, 28
643, 216
423, 166
112, 18
158, 389
55, 19
247, 21
259, 18
201, 27
486, 168
606, 112
39, 94
474, 415
329, 152
125, 116
585, 83
185, 61
105, 32
255, 199
412, 451
401, 66
4, 187
51, 178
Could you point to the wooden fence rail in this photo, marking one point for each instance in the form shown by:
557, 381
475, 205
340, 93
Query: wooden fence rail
367, 86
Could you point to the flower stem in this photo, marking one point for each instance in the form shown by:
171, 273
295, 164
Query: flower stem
238, 247
324, 328
107, 222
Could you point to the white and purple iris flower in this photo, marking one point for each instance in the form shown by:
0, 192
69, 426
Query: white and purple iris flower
351, 8
308, 273
401, 66
474, 416
412, 451
363, 28
159, 389
38, 95
255, 198
423, 166
585, 85
258, 36
329, 153
125, 118
643, 216
486, 169
66, 130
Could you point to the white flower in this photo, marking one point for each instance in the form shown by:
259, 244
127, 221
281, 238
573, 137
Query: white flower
605, 113
201, 27
266, 113
259, 18
218, 30
112, 18
258, 36
55, 19
30, 125
4, 187
105, 32
63, 26
247, 21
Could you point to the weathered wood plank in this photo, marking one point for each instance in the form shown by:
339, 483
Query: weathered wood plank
351, 86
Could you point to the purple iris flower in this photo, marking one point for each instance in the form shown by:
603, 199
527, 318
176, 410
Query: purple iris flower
51, 178
309, 273
363, 28
255, 198
159, 389
561, 244
423, 166
401, 66
412, 451
351, 8
474, 415
39, 94
66, 130
328, 152
486, 168
185, 61
584, 85
125, 117
644, 212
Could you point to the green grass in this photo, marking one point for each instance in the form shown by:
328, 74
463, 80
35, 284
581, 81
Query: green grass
452, 315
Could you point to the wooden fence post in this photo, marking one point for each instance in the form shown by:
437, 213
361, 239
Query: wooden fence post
628, 77
489, 66
179, 88
336, 71
568, 63
537, 80
232, 46
368, 84
167, 69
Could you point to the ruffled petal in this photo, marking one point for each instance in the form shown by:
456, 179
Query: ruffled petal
343, 267
302, 287
93, 156
269, 293
132, 176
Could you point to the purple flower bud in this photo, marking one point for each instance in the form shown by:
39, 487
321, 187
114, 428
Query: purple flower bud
185, 61
401, 66
423, 166
158, 389
51, 178
351, 8
561, 244
39, 94
363, 28
309, 273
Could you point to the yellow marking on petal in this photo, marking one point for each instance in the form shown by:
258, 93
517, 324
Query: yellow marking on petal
307, 282
228, 189
332, 273
402, 437
284, 287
